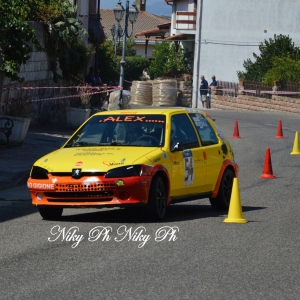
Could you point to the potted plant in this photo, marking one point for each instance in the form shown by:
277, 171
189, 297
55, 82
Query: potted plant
78, 112
17, 109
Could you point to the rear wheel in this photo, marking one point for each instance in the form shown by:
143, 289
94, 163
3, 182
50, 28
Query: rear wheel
157, 202
222, 201
51, 213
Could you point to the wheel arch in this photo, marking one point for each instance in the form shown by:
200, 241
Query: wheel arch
227, 164
160, 170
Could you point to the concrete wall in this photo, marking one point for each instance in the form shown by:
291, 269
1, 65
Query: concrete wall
232, 30
36, 73
140, 49
245, 102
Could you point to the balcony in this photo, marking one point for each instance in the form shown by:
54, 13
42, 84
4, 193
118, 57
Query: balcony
185, 20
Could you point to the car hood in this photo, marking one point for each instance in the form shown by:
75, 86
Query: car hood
99, 159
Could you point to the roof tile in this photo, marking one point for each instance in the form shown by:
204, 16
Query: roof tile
145, 21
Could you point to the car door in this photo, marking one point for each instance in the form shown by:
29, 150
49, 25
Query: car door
188, 166
212, 152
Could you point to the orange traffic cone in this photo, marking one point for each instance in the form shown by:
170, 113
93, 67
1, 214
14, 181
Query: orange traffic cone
267, 171
296, 147
279, 134
236, 134
235, 214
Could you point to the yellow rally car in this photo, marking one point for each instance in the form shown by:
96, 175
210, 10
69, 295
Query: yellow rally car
149, 157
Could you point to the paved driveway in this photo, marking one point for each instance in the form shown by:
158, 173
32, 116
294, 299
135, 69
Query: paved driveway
113, 254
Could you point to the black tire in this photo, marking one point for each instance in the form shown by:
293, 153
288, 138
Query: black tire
51, 213
222, 201
157, 202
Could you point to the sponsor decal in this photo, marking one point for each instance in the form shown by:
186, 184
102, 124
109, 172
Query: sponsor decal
188, 167
79, 163
120, 182
54, 180
129, 118
41, 186
114, 163
124, 119
91, 180
91, 153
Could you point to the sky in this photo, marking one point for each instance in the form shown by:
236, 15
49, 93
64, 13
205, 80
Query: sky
157, 7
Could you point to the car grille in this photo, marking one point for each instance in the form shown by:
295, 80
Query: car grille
97, 196
66, 200
78, 194
85, 187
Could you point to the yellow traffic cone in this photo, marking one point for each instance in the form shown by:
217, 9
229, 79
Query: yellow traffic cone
296, 148
235, 214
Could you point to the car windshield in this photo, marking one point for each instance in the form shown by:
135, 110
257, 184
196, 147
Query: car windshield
121, 130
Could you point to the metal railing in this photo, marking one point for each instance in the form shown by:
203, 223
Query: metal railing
226, 88
259, 89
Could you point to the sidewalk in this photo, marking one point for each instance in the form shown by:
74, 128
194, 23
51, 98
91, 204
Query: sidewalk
16, 162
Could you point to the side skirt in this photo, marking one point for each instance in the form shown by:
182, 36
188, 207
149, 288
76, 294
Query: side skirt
190, 197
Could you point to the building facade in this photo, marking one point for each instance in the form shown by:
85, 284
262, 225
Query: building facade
223, 34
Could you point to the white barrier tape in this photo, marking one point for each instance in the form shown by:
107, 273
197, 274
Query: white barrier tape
71, 96
60, 87
279, 92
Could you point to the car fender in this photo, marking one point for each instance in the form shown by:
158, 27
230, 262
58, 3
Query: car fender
161, 168
226, 163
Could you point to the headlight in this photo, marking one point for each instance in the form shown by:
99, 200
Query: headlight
39, 173
129, 171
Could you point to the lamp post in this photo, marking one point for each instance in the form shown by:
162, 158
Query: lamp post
131, 16
116, 30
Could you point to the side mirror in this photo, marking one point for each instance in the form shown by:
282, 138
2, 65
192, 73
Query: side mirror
177, 146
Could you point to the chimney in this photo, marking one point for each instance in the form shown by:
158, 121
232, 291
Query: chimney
140, 5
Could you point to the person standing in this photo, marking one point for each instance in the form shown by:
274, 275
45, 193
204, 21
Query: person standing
98, 81
90, 79
203, 91
213, 83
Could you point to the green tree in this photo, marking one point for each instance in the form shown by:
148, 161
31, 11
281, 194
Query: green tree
279, 47
110, 67
167, 58
63, 42
106, 62
64, 38
16, 36
134, 67
283, 69
130, 47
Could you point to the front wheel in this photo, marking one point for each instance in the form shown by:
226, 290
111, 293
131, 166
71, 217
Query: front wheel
222, 201
51, 213
157, 202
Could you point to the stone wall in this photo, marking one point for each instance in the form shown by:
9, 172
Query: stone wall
245, 102
36, 73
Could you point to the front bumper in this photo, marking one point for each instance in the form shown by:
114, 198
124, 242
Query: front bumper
87, 191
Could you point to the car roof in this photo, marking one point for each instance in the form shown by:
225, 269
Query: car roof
151, 110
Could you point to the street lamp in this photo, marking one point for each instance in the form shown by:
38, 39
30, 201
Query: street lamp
116, 30
131, 16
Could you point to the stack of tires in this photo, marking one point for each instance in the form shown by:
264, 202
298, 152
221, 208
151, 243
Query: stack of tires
164, 92
184, 97
141, 93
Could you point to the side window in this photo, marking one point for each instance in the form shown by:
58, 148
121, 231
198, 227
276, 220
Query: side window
206, 132
183, 132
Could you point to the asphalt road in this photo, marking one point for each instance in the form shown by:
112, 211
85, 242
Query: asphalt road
202, 258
